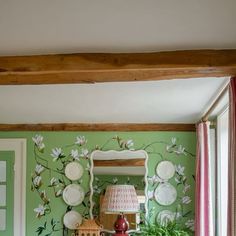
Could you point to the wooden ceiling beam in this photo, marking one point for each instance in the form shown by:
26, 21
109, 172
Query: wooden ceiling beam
100, 67
98, 127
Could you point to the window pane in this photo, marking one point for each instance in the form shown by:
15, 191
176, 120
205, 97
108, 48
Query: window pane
2, 219
2, 171
2, 195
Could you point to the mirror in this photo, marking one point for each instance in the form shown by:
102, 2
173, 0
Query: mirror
117, 167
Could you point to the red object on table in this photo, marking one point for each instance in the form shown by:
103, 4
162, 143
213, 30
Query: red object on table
121, 226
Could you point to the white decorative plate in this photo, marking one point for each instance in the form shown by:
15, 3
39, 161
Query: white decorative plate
72, 220
74, 171
165, 170
165, 194
73, 195
165, 216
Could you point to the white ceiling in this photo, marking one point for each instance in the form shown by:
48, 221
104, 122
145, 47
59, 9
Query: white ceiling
69, 26
173, 101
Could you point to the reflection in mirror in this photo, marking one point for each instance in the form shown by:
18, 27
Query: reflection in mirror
117, 167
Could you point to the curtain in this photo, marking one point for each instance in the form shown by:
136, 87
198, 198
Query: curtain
232, 159
203, 208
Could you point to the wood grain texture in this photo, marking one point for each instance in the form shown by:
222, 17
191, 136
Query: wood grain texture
100, 67
118, 162
97, 127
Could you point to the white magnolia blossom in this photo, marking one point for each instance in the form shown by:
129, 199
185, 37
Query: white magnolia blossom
53, 181
40, 210
56, 153
39, 169
178, 215
155, 179
44, 196
75, 154
37, 181
38, 140
179, 169
173, 140
114, 180
173, 143
80, 140
129, 143
59, 192
180, 150
84, 152
186, 200
186, 188
96, 189
190, 224
177, 180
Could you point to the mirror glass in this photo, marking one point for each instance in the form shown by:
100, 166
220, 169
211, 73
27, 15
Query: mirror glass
117, 167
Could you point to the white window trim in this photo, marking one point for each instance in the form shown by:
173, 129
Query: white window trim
19, 147
219, 191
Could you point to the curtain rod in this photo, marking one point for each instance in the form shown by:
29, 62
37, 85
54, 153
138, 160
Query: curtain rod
216, 102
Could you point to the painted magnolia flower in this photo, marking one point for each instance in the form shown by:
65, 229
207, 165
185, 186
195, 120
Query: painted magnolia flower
155, 179
58, 192
39, 169
80, 140
38, 140
173, 140
129, 143
40, 211
96, 189
75, 154
56, 153
178, 215
37, 181
114, 180
179, 169
180, 150
53, 181
190, 224
84, 152
44, 197
186, 200
186, 188
177, 180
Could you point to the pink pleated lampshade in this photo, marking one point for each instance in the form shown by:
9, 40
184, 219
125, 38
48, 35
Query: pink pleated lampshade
120, 199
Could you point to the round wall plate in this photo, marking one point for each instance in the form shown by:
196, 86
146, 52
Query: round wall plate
73, 195
165, 216
165, 170
165, 194
72, 220
74, 171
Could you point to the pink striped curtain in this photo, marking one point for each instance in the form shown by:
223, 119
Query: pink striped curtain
232, 159
203, 211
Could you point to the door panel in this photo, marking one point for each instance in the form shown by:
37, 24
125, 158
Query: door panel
6, 192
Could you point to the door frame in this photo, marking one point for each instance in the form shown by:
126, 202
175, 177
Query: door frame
19, 147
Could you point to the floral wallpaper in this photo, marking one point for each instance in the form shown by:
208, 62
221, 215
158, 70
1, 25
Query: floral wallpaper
48, 153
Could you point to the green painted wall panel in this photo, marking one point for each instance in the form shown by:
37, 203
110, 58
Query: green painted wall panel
158, 145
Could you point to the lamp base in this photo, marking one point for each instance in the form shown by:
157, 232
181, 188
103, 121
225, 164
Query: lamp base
121, 226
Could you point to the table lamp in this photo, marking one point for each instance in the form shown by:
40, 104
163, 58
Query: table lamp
120, 199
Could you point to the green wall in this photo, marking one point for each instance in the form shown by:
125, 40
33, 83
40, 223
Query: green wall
158, 145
